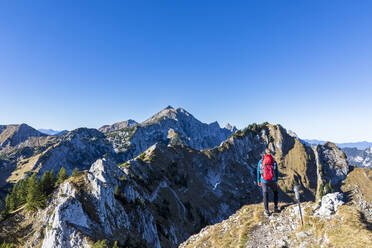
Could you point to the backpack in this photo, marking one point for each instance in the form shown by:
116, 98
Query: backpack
267, 168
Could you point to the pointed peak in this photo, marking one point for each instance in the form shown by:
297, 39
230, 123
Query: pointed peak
169, 113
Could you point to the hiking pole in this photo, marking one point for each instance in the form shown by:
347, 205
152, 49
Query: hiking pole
297, 194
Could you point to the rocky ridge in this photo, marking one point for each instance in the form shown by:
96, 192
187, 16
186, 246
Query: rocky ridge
170, 188
164, 195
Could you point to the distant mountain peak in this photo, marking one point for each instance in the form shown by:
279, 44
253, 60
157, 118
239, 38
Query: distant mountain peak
168, 112
15, 134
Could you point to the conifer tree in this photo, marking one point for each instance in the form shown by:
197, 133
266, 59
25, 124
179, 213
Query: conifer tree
9, 202
62, 176
35, 195
47, 182
21, 191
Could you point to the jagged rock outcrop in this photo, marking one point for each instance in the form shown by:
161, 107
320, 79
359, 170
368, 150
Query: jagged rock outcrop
86, 208
332, 165
133, 140
330, 203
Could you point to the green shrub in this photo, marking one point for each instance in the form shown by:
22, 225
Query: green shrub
76, 172
7, 245
101, 244
62, 176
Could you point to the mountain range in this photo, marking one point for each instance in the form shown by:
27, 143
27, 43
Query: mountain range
157, 183
358, 154
362, 145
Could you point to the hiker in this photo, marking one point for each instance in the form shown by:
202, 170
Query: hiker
267, 176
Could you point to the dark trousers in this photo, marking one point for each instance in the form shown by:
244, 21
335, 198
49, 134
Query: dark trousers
265, 193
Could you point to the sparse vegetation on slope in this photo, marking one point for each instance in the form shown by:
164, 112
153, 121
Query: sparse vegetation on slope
32, 191
248, 228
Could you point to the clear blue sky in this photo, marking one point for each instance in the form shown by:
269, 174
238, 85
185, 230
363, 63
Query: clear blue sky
304, 64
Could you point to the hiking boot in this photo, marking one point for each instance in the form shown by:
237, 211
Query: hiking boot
276, 210
267, 213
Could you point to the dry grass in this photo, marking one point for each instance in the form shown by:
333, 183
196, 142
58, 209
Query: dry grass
362, 178
27, 165
346, 229
24, 166
233, 232
8, 132
297, 168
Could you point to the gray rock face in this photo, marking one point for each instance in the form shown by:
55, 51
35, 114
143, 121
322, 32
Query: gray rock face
133, 140
330, 203
334, 165
359, 158
117, 126
86, 208
77, 149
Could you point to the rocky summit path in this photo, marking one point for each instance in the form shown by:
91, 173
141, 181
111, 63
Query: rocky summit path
275, 230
